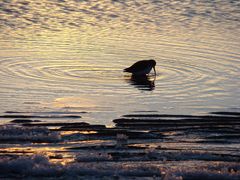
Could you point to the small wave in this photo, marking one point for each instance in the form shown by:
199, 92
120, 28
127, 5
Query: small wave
13, 133
40, 166
76, 14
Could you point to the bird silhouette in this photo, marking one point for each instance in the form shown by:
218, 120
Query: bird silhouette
142, 67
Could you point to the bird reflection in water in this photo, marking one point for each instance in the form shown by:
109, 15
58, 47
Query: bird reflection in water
143, 82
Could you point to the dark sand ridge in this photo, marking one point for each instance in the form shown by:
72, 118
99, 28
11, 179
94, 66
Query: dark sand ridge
146, 126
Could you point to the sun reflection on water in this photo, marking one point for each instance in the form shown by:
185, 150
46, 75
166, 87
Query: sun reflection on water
74, 102
70, 54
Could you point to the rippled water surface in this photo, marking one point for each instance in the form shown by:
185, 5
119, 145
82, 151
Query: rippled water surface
68, 55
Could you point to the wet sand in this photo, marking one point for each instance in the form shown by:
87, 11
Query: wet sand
144, 144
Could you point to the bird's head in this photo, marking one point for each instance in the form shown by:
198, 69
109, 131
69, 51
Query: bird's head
153, 62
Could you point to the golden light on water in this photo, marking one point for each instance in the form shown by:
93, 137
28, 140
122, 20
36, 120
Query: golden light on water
54, 154
63, 133
74, 102
61, 67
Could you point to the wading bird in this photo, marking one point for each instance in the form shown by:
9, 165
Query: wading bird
142, 67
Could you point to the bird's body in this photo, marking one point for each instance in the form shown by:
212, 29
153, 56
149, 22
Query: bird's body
141, 67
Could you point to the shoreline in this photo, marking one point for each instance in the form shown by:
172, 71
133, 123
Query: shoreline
139, 145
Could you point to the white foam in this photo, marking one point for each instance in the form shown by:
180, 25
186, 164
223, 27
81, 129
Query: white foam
40, 166
17, 133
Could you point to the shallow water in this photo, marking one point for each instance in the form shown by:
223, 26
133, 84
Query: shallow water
68, 56
61, 65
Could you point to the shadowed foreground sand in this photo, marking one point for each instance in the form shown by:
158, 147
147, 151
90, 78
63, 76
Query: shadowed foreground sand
146, 145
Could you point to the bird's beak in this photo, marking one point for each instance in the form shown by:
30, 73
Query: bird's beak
154, 70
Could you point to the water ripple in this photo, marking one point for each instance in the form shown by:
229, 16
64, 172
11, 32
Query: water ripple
54, 15
57, 49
